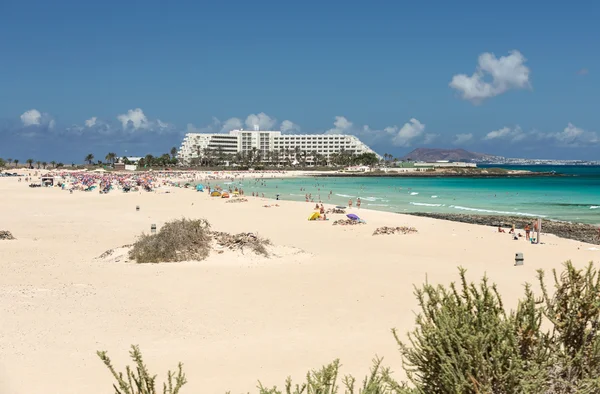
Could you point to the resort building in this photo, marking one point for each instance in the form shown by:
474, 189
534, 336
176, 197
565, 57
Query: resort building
194, 145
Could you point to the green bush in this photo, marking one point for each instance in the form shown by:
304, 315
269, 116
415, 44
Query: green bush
465, 342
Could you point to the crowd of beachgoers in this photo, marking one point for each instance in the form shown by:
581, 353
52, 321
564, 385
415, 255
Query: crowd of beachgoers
106, 182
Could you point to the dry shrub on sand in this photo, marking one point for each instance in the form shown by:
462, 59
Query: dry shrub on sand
393, 230
179, 240
243, 240
185, 240
6, 235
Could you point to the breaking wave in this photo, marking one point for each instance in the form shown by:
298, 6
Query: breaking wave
496, 212
427, 205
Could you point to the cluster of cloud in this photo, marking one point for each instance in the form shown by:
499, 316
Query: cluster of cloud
570, 136
262, 121
35, 123
34, 118
411, 132
493, 77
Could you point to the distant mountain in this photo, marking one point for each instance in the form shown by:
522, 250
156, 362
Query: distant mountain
430, 154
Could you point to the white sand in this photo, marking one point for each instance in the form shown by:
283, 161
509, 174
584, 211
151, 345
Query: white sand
231, 319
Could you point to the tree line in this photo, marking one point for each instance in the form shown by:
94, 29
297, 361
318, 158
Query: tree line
30, 163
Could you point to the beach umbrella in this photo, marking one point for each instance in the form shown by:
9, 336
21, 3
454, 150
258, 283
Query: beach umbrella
352, 216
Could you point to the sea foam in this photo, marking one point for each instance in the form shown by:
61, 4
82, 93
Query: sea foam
427, 205
497, 212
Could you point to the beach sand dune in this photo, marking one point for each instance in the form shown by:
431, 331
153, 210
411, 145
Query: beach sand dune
329, 292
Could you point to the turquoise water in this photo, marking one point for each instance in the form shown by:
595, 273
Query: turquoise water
574, 197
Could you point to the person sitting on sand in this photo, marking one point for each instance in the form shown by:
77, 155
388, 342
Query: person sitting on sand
316, 207
322, 210
501, 230
512, 229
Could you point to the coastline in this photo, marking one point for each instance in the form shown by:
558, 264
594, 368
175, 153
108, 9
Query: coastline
567, 230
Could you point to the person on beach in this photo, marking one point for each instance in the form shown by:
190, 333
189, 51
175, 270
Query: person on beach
322, 210
527, 231
350, 203
501, 230
512, 229
358, 203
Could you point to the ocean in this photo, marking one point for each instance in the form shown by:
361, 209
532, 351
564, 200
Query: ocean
574, 197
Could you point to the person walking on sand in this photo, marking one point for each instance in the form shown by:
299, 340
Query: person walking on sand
350, 203
358, 203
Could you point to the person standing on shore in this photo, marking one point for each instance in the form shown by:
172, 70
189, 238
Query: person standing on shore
358, 203
350, 203
527, 231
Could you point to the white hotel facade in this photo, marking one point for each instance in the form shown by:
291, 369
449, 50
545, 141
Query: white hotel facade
239, 141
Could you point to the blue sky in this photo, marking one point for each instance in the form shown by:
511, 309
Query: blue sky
518, 79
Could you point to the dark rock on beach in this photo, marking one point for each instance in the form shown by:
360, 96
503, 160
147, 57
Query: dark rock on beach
577, 231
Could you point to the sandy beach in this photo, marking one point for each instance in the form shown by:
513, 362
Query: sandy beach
327, 292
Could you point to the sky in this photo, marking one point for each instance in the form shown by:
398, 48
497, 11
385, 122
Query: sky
517, 79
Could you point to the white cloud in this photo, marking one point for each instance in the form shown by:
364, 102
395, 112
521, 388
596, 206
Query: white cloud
91, 122
35, 122
287, 126
134, 119
408, 133
461, 139
513, 134
231, 124
262, 120
33, 117
342, 126
506, 73
573, 136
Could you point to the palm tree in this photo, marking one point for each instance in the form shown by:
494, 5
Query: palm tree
59, 165
149, 160
16, 162
9, 160
89, 158
29, 163
110, 157
173, 152
44, 164
2, 163
53, 164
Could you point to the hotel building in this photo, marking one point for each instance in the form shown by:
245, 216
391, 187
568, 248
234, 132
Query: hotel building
194, 144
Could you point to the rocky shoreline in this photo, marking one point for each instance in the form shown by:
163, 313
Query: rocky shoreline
577, 231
